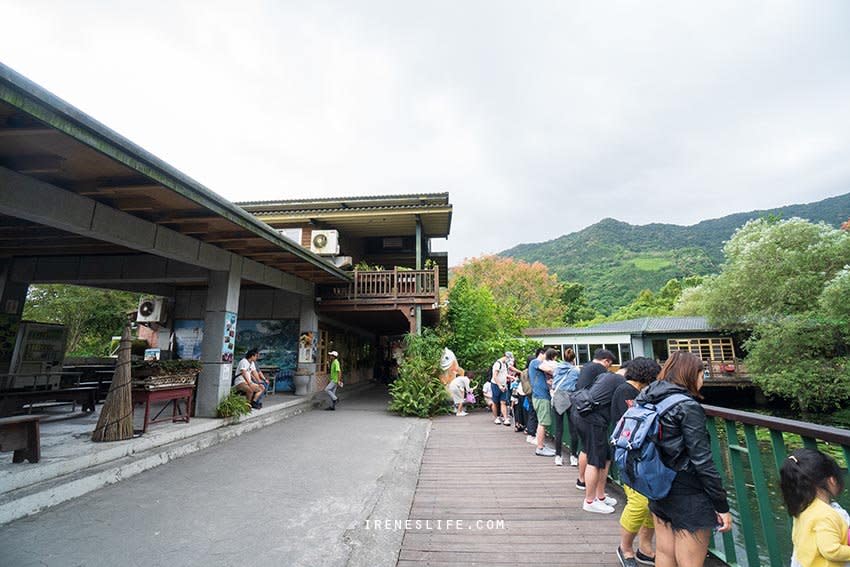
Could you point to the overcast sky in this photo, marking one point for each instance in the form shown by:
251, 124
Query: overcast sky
539, 118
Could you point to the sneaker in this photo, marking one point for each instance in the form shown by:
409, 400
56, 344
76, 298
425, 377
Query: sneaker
531, 439
507, 422
610, 501
461, 414
545, 452
573, 461
598, 507
498, 421
625, 561
644, 559
580, 485
559, 461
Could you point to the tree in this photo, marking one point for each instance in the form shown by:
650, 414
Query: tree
773, 269
525, 292
91, 316
577, 308
790, 282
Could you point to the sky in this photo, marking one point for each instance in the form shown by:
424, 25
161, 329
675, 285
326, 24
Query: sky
538, 118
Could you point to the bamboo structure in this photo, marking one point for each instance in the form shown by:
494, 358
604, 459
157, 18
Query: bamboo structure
116, 417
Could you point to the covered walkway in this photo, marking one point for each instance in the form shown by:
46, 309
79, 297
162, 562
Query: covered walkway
499, 504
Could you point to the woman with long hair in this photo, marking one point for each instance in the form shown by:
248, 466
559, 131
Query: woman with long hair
697, 501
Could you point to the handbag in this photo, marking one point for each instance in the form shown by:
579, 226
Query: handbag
470, 397
584, 402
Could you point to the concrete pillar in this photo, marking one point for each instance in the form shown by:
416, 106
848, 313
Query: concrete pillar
418, 267
222, 305
309, 323
13, 295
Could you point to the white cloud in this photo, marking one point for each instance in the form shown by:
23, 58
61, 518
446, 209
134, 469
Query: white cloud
539, 119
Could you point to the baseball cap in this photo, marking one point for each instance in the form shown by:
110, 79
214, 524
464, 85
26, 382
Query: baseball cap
333, 353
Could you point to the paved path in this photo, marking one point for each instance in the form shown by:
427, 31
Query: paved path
477, 474
296, 493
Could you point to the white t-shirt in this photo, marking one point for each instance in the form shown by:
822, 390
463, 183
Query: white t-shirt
244, 364
460, 383
500, 373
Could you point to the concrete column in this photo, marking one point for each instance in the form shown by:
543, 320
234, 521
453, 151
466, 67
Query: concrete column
222, 305
418, 267
309, 322
13, 295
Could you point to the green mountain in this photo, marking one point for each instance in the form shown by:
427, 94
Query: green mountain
615, 260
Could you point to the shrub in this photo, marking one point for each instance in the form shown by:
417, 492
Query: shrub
234, 405
418, 390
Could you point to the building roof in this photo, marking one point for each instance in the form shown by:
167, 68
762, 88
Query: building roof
47, 139
378, 215
644, 325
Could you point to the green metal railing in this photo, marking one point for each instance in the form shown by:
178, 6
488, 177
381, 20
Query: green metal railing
749, 449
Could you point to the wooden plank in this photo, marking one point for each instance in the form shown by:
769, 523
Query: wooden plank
482, 489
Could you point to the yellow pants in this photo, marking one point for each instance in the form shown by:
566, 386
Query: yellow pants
636, 514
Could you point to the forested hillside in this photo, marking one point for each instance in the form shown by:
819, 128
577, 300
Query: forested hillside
615, 260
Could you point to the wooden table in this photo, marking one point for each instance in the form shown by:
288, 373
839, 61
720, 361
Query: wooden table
12, 402
173, 395
21, 435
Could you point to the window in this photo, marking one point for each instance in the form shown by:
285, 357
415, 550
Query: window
625, 352
720, 348
582, 354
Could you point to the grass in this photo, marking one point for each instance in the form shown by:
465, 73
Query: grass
650, 264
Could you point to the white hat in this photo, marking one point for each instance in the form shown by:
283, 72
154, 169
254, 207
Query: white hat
333, 353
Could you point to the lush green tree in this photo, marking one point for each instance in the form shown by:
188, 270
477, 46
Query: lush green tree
526, 293
773, 269
478, 331
802, 358
92, 316
788, 280
577, 308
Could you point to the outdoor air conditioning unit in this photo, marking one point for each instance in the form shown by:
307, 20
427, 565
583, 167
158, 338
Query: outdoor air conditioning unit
151, 310
325, 242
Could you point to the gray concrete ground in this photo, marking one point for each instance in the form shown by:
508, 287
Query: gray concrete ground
298, 492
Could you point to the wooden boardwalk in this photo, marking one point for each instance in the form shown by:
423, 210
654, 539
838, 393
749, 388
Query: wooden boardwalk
477, 474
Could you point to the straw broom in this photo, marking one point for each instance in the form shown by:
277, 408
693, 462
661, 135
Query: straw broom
116, 418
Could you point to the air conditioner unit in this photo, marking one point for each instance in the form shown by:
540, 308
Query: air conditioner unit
151, 310
325, 242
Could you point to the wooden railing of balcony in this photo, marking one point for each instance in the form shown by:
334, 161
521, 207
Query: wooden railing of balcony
396, 284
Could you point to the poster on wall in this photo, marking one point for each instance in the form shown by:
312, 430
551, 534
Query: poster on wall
307, 347
227, 347
188, 335
277, 343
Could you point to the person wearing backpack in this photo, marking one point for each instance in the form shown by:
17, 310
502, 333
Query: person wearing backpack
636, 518
563, 383
592, 420
696, 502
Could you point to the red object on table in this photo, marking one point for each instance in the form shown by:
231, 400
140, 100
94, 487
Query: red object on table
174, 395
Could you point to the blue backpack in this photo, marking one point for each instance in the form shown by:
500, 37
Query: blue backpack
635, 451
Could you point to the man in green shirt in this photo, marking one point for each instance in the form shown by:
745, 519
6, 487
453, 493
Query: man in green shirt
335, 379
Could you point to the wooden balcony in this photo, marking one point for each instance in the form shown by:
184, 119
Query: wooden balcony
384, 289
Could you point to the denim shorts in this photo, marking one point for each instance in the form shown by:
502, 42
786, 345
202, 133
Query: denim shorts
499, 395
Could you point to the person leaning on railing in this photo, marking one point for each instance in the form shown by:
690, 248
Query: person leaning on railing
697, 501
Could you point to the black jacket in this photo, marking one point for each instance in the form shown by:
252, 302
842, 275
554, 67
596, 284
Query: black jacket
684, 442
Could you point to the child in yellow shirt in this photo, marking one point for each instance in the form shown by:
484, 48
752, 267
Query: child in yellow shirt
809, 480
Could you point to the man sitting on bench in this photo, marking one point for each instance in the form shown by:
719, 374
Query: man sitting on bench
247, 379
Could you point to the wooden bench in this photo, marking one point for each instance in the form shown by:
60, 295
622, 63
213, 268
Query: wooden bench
14, 402
21, 435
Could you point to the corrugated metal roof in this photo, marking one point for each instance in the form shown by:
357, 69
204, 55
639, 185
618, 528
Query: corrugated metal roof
632, 326
442, 198
300, 211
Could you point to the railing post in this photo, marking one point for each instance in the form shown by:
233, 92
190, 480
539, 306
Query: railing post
356, 282
395, 282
